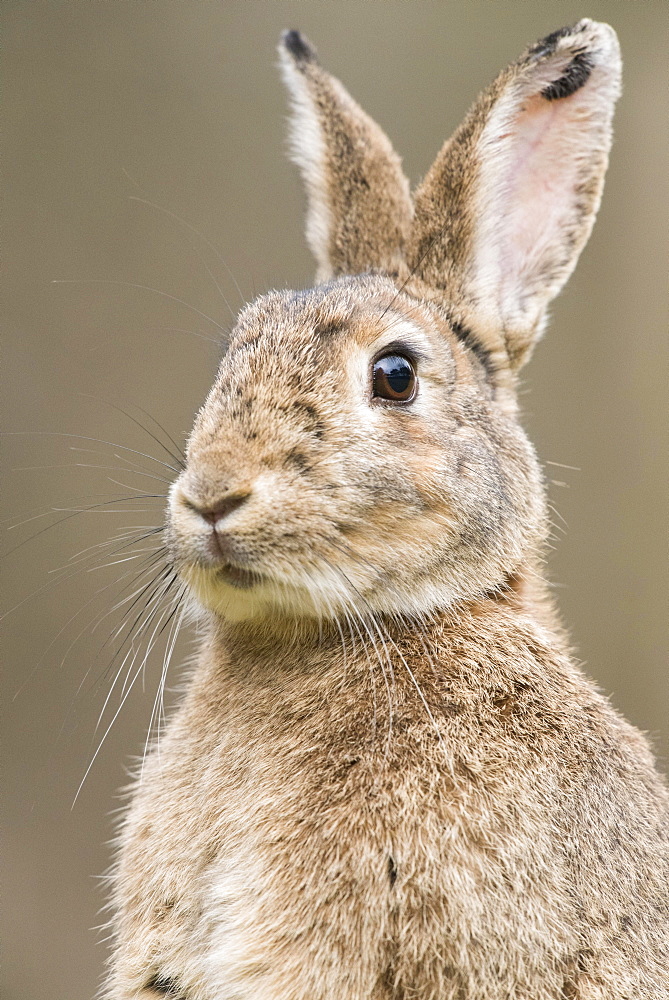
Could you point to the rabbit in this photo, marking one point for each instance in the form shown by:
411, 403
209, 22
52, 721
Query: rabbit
388, 777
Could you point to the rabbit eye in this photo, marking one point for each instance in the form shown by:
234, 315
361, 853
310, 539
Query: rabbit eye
394, 378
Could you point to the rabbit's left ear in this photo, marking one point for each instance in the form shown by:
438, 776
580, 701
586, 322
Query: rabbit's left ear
508, 205
359, 207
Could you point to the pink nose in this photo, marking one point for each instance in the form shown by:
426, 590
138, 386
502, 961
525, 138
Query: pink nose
216, 512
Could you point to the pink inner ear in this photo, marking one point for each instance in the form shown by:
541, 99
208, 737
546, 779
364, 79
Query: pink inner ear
537, 194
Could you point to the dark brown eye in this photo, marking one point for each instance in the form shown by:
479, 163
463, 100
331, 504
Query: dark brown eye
394, 378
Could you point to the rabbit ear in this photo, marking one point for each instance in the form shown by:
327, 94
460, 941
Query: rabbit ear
508, 205
359, 206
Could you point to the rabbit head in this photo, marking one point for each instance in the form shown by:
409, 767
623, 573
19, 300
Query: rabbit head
360, 447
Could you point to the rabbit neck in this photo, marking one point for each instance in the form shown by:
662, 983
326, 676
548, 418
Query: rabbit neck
281, 651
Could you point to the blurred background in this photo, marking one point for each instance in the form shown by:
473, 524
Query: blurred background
146, 176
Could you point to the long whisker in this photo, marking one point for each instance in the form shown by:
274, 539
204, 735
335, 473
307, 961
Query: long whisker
157, 615
179, 450
158, 710
153, 587
61, 576
118, 710
64, 628
160, 589
136, 465
46, 509
90, 465
176, 457
145, 288
84, 510
192, 333
182, 222
92, 625
98, 619
86, 437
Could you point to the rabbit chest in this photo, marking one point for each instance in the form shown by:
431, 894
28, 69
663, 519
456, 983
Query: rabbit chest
356, 832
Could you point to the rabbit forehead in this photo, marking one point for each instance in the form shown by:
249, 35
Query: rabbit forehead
285, 341
298, 321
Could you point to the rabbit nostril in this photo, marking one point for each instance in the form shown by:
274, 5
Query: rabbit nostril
220, 510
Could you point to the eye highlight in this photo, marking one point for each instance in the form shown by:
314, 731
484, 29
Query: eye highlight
394, 379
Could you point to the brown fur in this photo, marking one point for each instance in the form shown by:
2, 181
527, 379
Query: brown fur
388, 780
360, 206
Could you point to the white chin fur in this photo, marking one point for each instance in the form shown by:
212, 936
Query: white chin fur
317, 598
263, 600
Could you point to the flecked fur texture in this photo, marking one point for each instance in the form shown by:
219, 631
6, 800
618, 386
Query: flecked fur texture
388, 779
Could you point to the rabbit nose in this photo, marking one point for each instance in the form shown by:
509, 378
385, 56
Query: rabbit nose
217, 512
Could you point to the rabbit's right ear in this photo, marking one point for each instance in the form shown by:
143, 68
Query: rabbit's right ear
359, 205
508, 205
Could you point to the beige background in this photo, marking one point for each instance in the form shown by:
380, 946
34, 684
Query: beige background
180, 103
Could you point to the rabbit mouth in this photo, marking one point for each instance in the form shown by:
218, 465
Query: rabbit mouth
243, 579
229, 591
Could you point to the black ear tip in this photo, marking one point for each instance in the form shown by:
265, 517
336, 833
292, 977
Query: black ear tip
584, 36
583, 42
547, 46
298, 46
